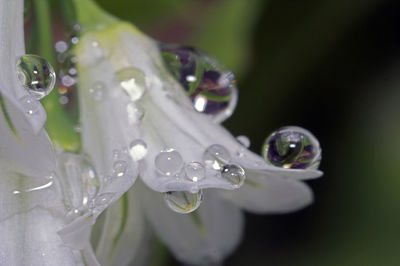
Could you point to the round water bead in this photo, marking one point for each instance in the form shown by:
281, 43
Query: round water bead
30, 104
183, 201
169, 162
292, 147
234, 174
215, 156
138, 149
133, 82
36, 75
195, 171
208, 83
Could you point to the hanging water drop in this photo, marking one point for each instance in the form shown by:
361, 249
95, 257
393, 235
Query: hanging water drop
215, 156
208, 83
168, 162
119, 168
234, 174
195, 171
133, 82
138, 149
30, 104
292, 147
36, 75
97, 90
183, 201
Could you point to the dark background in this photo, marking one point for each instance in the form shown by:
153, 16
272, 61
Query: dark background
331, 66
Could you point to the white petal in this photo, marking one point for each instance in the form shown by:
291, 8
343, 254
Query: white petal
264, 192
208, 235
30, 239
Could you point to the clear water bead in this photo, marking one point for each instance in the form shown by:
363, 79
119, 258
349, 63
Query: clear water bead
244, 140
169, 162
195, 171
30, 104
133, 82
183, 201
292, 147
97, 90
234, 174
208, 83
119, 168
36, 75
138, 149
215, 156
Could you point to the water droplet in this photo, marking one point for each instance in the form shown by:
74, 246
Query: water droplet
116, 154
216, 156
138, 149
30, 104
234, 174
36, 75
133, 82
292, 147
119, 168
63, 99
169, 162
183, 201
208, 83
244, 141
102, 201
61, 46
135, 113
97, 90
195, 171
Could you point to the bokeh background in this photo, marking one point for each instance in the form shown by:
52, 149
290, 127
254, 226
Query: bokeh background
331, 66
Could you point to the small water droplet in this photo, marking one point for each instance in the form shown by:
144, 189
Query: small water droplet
292, 147
195, 171
135, 113
61, 46
97, 90
30, 104
138, 149
36, 75
208, 83
116, 154
234, 174
215, 156
244, 140
133, 82
119, 168
102, 201
183, 201
169, 162
63, 99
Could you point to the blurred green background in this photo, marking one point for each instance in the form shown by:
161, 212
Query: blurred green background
331, 66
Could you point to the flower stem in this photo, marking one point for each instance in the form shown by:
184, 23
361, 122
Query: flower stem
59, 126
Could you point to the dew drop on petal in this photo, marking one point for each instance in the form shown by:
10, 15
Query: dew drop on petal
102, 201
30, 104
135, 113
234, 174
215, 156
183, 201
133, 82
116, 154
195, 171
244, 140
292, 147
168, 162
97, 90
137, 149
208, 83
119, 168
36, 75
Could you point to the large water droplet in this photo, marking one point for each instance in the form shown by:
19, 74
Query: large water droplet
292, 147
195, 171
216, 156
133, 82
36, 75
183, 201
169, 162
30, 104
138, 149
208, 83
234, 174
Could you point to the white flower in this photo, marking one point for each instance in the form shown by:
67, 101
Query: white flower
151, 107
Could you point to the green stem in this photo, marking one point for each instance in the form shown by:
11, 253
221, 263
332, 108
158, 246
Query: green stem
68, 14
59, 126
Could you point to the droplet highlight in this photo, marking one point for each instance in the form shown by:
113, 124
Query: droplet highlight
137, 149
215, 156
234, 174
132, 81
30, 104
119, 168
195, 171
183, 201
292, 147
168, 162
36, 75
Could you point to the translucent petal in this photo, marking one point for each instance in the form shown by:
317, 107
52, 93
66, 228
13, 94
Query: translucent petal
208, 235
264, 192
